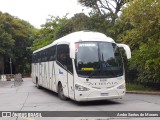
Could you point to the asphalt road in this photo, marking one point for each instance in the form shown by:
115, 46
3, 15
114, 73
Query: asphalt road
28, 98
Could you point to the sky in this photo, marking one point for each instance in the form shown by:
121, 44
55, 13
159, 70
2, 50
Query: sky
37, 11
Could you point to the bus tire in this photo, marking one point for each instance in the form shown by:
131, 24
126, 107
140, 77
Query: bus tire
37, 85
60, 92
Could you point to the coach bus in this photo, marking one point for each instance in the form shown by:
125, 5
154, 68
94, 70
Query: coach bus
82, 66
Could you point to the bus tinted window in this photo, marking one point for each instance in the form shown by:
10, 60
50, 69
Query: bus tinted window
98, 60
34, 58
62, 51
52, 53
63, 57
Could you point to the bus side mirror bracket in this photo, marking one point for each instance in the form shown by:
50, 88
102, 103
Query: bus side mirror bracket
127, 50
72, 51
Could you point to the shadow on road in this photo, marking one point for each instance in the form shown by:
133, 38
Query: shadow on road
87, 103
96, 103
47, 91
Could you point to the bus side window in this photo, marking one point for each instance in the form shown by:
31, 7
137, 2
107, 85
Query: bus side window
61, 54
63, 57
69, 62
46, 55
52, 53
39, 57
33, 58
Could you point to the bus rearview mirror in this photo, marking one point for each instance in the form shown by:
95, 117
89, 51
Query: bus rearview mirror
72, 51
127, 50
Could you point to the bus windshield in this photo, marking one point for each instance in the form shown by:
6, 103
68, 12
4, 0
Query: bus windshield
98, 60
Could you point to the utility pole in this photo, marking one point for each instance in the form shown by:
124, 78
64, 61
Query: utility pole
10, 65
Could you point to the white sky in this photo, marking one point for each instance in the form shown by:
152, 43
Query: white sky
36, 11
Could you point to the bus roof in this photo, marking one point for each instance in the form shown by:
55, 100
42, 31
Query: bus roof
79, 36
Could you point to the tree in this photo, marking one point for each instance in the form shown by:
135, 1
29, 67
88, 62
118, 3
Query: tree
22, 34
103, 7
50, 31
6, 40
57, 27
140, 25
16, 38
6, 43
80, 21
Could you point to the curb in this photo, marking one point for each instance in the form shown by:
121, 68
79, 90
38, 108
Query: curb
144, 92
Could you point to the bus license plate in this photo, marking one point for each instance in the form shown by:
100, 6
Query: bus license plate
104, 94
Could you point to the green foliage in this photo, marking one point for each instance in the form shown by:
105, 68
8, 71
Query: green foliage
6, 43
137, 87
138, 26
80, 22
57, 27
16, 37
105, 7
54, 28
6, 40
140, 23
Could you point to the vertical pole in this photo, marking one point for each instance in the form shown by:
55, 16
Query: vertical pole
10, 66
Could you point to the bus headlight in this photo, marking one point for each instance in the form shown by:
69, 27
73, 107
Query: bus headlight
81, 88
123, 86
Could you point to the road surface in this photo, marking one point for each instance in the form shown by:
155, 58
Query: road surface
28, 98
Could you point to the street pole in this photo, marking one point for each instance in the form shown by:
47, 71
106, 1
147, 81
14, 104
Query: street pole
10, 66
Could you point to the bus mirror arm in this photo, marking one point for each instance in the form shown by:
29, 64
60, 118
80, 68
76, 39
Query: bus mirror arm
127, 50
72, 51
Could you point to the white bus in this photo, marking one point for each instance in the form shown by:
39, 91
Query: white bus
82, 66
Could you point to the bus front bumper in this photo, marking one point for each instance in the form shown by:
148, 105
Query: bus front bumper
99, 95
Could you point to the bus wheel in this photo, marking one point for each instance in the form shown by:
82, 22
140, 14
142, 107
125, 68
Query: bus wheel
60, 92
37, 85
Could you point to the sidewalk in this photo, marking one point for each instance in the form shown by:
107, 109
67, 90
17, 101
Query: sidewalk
10, 84
6, 84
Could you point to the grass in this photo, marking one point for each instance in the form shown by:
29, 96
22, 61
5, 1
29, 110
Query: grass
132, 87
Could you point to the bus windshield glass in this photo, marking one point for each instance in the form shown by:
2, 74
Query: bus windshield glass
98, 60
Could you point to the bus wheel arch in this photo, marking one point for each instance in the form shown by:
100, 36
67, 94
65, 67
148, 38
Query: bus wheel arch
60, 91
